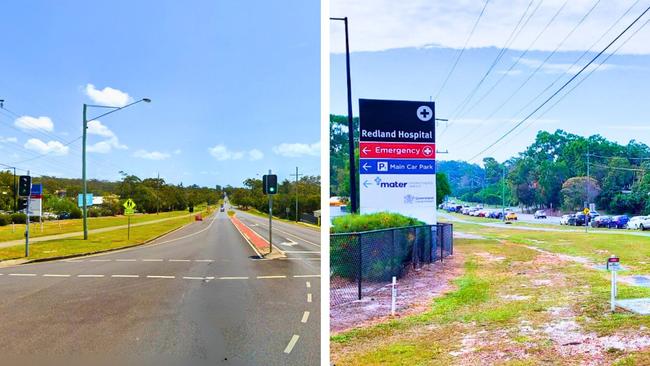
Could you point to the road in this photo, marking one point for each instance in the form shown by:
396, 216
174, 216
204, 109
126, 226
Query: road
196, 296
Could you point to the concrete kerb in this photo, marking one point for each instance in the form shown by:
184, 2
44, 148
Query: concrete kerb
14, 262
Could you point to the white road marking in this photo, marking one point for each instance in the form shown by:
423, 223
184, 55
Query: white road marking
291, 344
152, 260
309, 297
193, 278
179, 260
305, 317
126, 260
56, 275
204, 260
22, 274
308, 284
125, 276
266, 277
233, 278
161, 276
305, 276
90, 276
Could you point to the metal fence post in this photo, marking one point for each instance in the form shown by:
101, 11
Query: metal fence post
360, 263
442, 246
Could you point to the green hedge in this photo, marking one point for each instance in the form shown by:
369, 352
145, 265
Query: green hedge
374, 221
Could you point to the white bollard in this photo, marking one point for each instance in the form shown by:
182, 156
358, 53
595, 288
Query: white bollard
394, 297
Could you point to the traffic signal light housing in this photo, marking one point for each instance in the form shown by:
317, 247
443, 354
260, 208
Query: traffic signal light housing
24, 185
22, 203
270, 184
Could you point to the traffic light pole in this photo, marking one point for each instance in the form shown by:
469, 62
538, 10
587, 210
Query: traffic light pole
27, 220
83, 175
270, 221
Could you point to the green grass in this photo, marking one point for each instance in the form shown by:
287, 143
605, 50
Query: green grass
55, 227
481, 305
265, 215
96, 242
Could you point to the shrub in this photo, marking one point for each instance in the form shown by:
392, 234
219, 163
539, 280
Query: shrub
5, 220
374, 221
75, 213
18, 218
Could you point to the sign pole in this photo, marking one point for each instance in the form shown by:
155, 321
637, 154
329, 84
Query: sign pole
27, 220
270, 221
128, 230
613, 265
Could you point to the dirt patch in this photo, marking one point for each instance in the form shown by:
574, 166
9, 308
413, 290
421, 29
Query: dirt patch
462, 235
414, 294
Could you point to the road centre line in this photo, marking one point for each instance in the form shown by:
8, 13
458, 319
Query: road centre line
22, 274
153, 276
56, 275
179, 260
305, 276
90, 276
291, 344
193, 278
125, 276
309, 297
152, 260
233, 278
308, 284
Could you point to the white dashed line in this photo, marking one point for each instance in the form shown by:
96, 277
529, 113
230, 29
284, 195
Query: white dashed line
193, 278
305, 317
308, 284
291, 344
161, 276
233, 278
305, 276
152, 260
204, 260
268, 277
180, 260
308, 297
56, 275
125, 276
90, 276
22, 274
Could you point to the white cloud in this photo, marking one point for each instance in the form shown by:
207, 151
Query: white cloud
561, 68
34, 123
377, 25
103, 147
8, 139
151, 155
297, 149
50, 147
97, 128
108, 96
255, 154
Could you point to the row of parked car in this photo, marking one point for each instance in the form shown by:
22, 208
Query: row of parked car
594, 219
479, 211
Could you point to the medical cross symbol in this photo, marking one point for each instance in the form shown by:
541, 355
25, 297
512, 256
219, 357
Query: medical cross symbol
427, 151
424, 113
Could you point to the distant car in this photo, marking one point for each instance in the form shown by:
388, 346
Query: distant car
568, 220
495, 214
64, 215
539, 214
619, 222
511, 216
581, 219
636, 222
222, 209
601, 221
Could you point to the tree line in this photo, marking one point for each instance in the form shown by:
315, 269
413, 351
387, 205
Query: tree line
561, 170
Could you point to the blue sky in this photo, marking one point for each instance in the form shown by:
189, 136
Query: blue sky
235, 88
405, 50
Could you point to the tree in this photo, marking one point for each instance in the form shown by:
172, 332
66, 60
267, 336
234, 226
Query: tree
574, 192
443, 189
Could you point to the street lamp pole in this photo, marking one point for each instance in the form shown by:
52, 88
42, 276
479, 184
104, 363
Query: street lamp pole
353, 169
83, 153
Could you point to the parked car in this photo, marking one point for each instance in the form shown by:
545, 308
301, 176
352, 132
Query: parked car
568, 220
580, 219
64, 215
619, 222
539, 214
511, 216
601, 221
495, 214
635, 222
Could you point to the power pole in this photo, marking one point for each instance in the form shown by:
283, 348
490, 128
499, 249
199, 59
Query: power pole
158, 203
503, 194
587, 190
297, 176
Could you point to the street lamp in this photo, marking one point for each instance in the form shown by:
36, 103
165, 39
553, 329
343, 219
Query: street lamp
353, 169
83, 155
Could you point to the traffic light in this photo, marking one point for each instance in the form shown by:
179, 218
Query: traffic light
22, 204
24, 185
270, 184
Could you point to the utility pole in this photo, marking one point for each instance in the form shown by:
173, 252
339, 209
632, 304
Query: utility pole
297, 176
158, 203
83, 174
587, 190
353, 168
503, 193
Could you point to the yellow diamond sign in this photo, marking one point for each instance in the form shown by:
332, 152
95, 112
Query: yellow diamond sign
586, 211
129, 207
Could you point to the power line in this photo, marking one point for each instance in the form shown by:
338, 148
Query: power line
565, 84
460, 54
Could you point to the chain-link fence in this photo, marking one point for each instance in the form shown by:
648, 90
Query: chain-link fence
361, 263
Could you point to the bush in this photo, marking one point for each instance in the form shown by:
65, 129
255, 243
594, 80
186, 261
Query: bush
75, 213
18, 218
5, 220
368, 222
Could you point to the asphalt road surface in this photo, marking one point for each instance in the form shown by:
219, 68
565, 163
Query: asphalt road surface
196, 296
